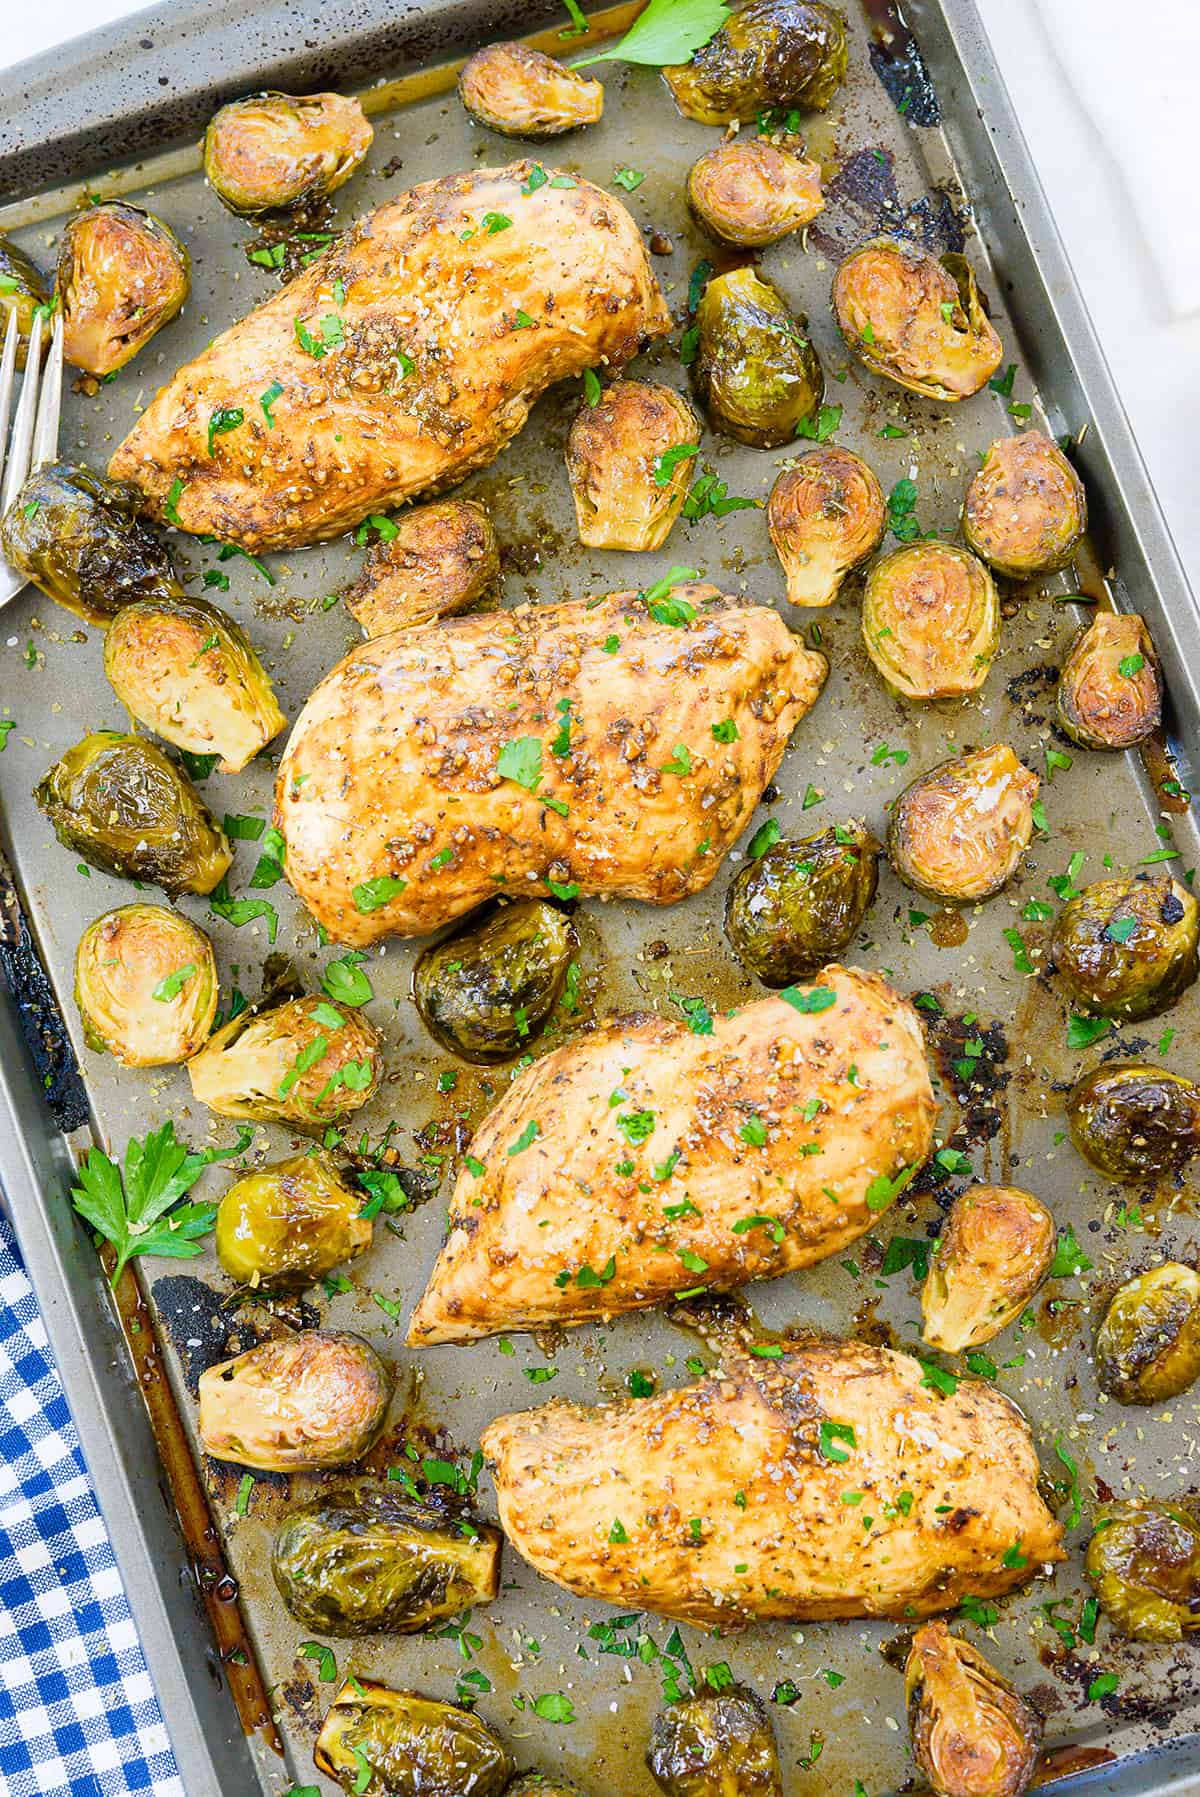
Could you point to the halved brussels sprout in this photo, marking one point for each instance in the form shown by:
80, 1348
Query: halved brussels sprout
287, 1223
121, 804
1026, 510
184, 669
958, 832
798, 906
755, 370
22, 290
122, 275
1144, 1562
1148, 1346
1134, 1121
1110, 689
931, 620
826, 514
440, 558
993, 1253
542, 1784
378, 1742
78, 537
771, 53
628, 477
369, 1560
715, 1744
303, 1061
972, 1734
271, 150
754, 193
1127, 948
146, 985
296, 1403
485, 991
916, 319
520, 92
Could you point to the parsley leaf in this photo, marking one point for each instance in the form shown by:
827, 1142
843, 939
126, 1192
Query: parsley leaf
137, 1209
668, 31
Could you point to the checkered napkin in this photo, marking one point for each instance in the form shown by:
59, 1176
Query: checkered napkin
78, 1713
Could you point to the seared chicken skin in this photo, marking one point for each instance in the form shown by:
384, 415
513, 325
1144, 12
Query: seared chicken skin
550, 747
403, 358
657, 1160
724, 1501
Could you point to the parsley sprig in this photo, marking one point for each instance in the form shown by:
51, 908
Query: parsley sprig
137, 1208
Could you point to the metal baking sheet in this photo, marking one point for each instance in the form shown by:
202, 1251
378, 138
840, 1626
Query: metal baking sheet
894, 159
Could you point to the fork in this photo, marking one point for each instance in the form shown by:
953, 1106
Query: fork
34, 438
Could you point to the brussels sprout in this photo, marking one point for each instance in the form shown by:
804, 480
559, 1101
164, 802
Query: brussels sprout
1133, 1121
1148, 1346
715, 1744
146, 986
1127, 948
287, 1223
771, 53
1144, 1562
78, 537
1110, 689
755, 370
440, 558
916, 319
825, 515
378, 1742
543, 1784
518, 91
972, 1734
958, 832
1025, 509
992, 1255
931, 621
369, 1560
296, 1403
754, 193
628, 465
303, 1061
122, 275
117, 801
801, 904
485, 991
22, 290
271, 150
187, 671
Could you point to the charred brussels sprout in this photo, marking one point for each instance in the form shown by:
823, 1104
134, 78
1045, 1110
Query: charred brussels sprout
187, 671
771, 53
1148, 1346
1127, 948
916, 319
520, 92
972, 1734
756, 372
486, 991
369, 1560
287, 1223
378, 1742
296, 1403
715, 1744
958, 832
78, 537
1144, 1563
440, 559
22, 290
1134, 1121
825, 515
1110, 688
304, 1061
993, 1254
543, 1784
1026, 509
117, 801
629, 465
931, 621
122, 275
146, 985
801, 904
754, 193
271, 150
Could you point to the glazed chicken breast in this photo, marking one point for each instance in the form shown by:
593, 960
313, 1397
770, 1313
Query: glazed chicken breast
645, 1160
555, 748
400, 360
724, 1501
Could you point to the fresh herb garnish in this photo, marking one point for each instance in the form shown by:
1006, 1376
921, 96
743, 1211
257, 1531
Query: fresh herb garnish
137, 1208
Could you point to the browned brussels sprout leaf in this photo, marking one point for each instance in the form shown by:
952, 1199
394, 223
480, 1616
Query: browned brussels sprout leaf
1026, 510
917, 320
22, 290
146, 985
520, 92
756, 372
377, 1742
715, 1744
1144, 1563
543, 1784
825, 515
771, 53
958, 832
1127, 948
972, 1734
299, 1402
798, 906
434, 560
993, 1253
486, 990
78, 537
1134, 1121
271, 150
629, 460
1148, 1346
304, 1061
1110, 689
754, 193
289, 1222
931, 620
122, 275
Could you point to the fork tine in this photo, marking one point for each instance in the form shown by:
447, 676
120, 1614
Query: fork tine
8, 363
45, 432
22, 433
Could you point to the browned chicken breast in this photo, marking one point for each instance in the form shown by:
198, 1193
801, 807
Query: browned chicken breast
724, 1501
406, 356
555, 748
645, 1160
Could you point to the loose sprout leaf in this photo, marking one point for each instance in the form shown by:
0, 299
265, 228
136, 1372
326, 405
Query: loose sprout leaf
667, 32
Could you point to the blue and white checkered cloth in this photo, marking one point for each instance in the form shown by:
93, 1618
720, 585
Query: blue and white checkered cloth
78, 1712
